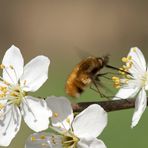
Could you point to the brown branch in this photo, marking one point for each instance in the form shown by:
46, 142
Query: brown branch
112, 105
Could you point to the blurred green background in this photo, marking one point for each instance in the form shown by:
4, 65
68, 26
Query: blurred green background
68, 30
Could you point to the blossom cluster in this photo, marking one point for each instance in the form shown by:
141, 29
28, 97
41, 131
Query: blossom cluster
67, 130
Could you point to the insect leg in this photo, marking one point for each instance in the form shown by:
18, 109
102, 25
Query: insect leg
97, 89
104, 76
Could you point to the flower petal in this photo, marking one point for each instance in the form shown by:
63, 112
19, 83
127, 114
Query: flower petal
35, 73
42, 140
139, 64
36, 113
10, 125
90, 121
125, 93
91, 143
13, 62
140, 106
62, 111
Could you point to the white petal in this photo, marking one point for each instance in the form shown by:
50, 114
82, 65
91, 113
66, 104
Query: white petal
146, 87
43, 140
91, 143
140, 106
36, 113
13, 57
90, 121
10, 125
139, 64
62, 111
35, 73
125, 93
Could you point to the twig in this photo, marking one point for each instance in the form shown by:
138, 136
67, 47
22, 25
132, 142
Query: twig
109, 106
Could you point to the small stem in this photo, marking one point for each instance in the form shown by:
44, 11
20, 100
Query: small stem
113, 105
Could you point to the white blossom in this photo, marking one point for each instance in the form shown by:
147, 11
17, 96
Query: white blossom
134, 82
16, 81
79, 132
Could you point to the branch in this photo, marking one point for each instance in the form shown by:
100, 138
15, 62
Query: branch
109, 106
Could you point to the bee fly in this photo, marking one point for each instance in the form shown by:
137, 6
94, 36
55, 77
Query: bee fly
86, 73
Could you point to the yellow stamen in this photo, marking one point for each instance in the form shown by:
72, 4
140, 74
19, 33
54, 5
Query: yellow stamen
0, 88
4, 90
124, 59
2, 66
33, 138
126, 81
1, 106
124, 67
13, 94
115, 78
11, 67
2, 95
68, 120
130, 64
55, 115
129, 57
121, 71
134, 49
42, 137
117, 86
116, 81
128, 76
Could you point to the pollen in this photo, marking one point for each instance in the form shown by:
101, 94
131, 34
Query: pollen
2, 95
124, 67
13, 94
117, 86
123, 70
134, 49
1, 106
114, 78
68, 120
128, 76
129, 57
130, 64
33, 138
42, 137
55, 115
11, 67
116, 81
120, 69
126, 81
124, 59
4, 90
2, 66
